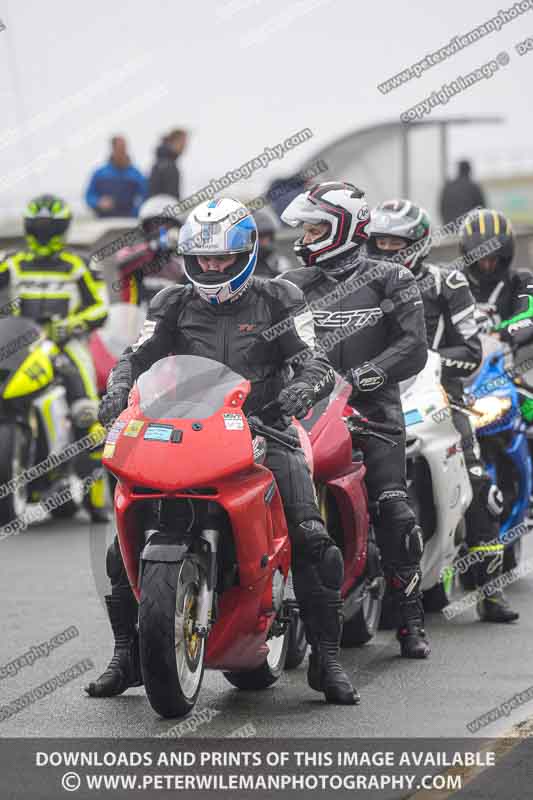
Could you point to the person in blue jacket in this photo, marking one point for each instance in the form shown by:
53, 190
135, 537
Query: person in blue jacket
118, 188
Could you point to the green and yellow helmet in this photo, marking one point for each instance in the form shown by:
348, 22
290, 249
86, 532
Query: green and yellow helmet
46, 220
486, 233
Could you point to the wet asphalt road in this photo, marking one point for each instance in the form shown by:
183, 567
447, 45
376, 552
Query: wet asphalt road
52, 577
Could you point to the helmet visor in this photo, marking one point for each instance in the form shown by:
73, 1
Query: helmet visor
301, 210
215, 238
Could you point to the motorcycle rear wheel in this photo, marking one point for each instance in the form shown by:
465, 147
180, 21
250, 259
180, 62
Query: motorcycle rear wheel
363, 625
171, 653
269, 671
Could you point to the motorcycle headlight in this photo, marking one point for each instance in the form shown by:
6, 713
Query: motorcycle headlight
488, 410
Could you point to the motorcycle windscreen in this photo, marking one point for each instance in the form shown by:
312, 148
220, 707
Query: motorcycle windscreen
185, 387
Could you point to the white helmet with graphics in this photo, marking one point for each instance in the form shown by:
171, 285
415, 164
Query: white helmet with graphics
218, 243
342, 210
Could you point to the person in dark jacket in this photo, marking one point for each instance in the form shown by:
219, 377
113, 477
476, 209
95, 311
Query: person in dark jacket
506, 297
370, 322
270, 263
165, 175
229, 316
400, 231
460, 195
118, 188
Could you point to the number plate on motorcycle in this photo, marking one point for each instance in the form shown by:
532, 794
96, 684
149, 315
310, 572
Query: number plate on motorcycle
233, 422
134, 427
159, 433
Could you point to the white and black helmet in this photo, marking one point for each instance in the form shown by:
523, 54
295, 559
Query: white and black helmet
403, 220
219, 228
340, 204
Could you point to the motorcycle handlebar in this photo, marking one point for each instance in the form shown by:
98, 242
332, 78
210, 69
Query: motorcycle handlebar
378, 427
258, 427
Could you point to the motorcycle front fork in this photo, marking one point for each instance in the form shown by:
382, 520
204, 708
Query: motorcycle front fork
208, 578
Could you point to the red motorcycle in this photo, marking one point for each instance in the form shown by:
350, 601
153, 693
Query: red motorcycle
334, 429
203, 533
121, 328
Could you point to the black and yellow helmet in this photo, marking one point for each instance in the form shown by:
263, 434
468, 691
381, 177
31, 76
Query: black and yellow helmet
46, 220
484, 234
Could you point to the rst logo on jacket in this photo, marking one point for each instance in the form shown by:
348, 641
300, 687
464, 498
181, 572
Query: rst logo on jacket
357, 318
368, 378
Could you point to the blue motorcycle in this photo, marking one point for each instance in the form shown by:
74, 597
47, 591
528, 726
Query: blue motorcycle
494, 401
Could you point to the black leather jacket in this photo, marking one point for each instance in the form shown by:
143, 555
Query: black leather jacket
510, 303
259, 335
450, 321
373, 313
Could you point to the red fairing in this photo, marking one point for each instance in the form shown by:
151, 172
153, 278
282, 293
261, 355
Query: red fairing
247, 492
103, 360
133, 258
333, 468
330, 440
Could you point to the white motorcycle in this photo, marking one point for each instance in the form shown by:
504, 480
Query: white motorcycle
437, 479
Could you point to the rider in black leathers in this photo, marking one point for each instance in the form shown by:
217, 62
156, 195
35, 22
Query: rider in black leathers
505, 296
262, 330
400, 231
370, 322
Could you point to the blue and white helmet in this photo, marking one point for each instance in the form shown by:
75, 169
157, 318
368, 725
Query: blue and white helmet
219, 228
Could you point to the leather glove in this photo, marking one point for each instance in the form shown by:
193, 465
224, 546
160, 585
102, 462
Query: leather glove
112, 405
296, 400
367, 378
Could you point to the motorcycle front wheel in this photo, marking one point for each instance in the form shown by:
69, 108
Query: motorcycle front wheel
171, 653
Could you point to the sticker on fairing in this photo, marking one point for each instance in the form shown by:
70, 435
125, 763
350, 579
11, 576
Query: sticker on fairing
134, 427
109, 451
233, 422
115, 431
412, 417
158, 433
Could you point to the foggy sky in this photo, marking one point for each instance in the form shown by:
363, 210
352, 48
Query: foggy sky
241, 75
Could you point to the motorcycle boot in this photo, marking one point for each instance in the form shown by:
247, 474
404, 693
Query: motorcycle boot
404, 584
402, 543
492, 605
123, 671
317, 585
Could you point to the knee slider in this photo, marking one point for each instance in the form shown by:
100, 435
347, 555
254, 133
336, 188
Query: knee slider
394, 510
414, 544
84, 412
486, 493
310, 538
402, 540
